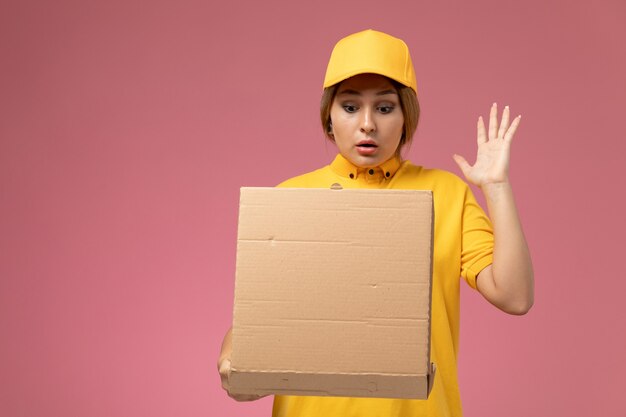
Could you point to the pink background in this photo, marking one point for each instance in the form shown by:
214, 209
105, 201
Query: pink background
127, 128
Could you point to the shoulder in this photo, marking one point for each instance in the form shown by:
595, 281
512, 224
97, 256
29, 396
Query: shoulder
307, 180
433, 177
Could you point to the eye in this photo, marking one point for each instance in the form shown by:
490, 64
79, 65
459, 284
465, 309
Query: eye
385, 109
350, 108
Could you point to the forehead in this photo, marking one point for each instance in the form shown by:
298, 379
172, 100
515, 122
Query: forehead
363, 82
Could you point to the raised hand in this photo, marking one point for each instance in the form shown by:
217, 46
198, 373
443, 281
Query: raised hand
492, 158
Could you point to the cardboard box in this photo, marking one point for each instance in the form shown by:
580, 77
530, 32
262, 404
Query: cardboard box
333, 293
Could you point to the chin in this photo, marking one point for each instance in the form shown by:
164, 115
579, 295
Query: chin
365, 161
370, 161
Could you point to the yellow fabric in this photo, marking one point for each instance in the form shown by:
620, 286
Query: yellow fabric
463, 246
370, 51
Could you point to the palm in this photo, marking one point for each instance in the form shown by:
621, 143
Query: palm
492, 158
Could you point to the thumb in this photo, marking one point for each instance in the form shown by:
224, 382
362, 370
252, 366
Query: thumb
462, 163
224, 370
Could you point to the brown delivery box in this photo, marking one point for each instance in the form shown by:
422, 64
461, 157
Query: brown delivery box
332, 293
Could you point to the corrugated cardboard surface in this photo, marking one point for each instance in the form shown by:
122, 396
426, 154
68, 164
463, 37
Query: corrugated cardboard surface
332, 293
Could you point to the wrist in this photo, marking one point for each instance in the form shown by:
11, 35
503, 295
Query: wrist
495, 186
494, 191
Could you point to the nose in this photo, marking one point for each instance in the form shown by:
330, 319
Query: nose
367, 121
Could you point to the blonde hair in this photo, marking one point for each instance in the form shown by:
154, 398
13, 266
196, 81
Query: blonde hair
408, 102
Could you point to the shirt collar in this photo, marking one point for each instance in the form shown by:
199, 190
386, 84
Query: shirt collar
347, 169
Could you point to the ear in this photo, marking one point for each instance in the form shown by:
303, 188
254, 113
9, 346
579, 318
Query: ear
329, 132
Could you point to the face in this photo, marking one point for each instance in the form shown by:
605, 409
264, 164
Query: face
367, 120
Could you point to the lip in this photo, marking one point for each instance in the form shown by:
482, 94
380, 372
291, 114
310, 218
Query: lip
367, 142
366, 150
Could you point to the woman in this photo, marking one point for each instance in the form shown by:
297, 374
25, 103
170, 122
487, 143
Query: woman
370, 111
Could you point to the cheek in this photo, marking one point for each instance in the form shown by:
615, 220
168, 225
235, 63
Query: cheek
400, 125
342, 123
396, 127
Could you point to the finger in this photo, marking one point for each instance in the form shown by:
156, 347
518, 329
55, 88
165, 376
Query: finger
462, 163
225, 373
245, 397
481, 136
504, 125
224, 367
508, 136
493, 121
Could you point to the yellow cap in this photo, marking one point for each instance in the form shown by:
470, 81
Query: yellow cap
373, 52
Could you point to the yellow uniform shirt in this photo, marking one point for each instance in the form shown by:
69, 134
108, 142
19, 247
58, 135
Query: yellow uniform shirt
463, 246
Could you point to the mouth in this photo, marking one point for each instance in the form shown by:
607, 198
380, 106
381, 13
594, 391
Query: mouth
366, 147
366, 144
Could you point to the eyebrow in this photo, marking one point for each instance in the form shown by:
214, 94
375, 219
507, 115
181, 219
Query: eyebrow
356, 93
